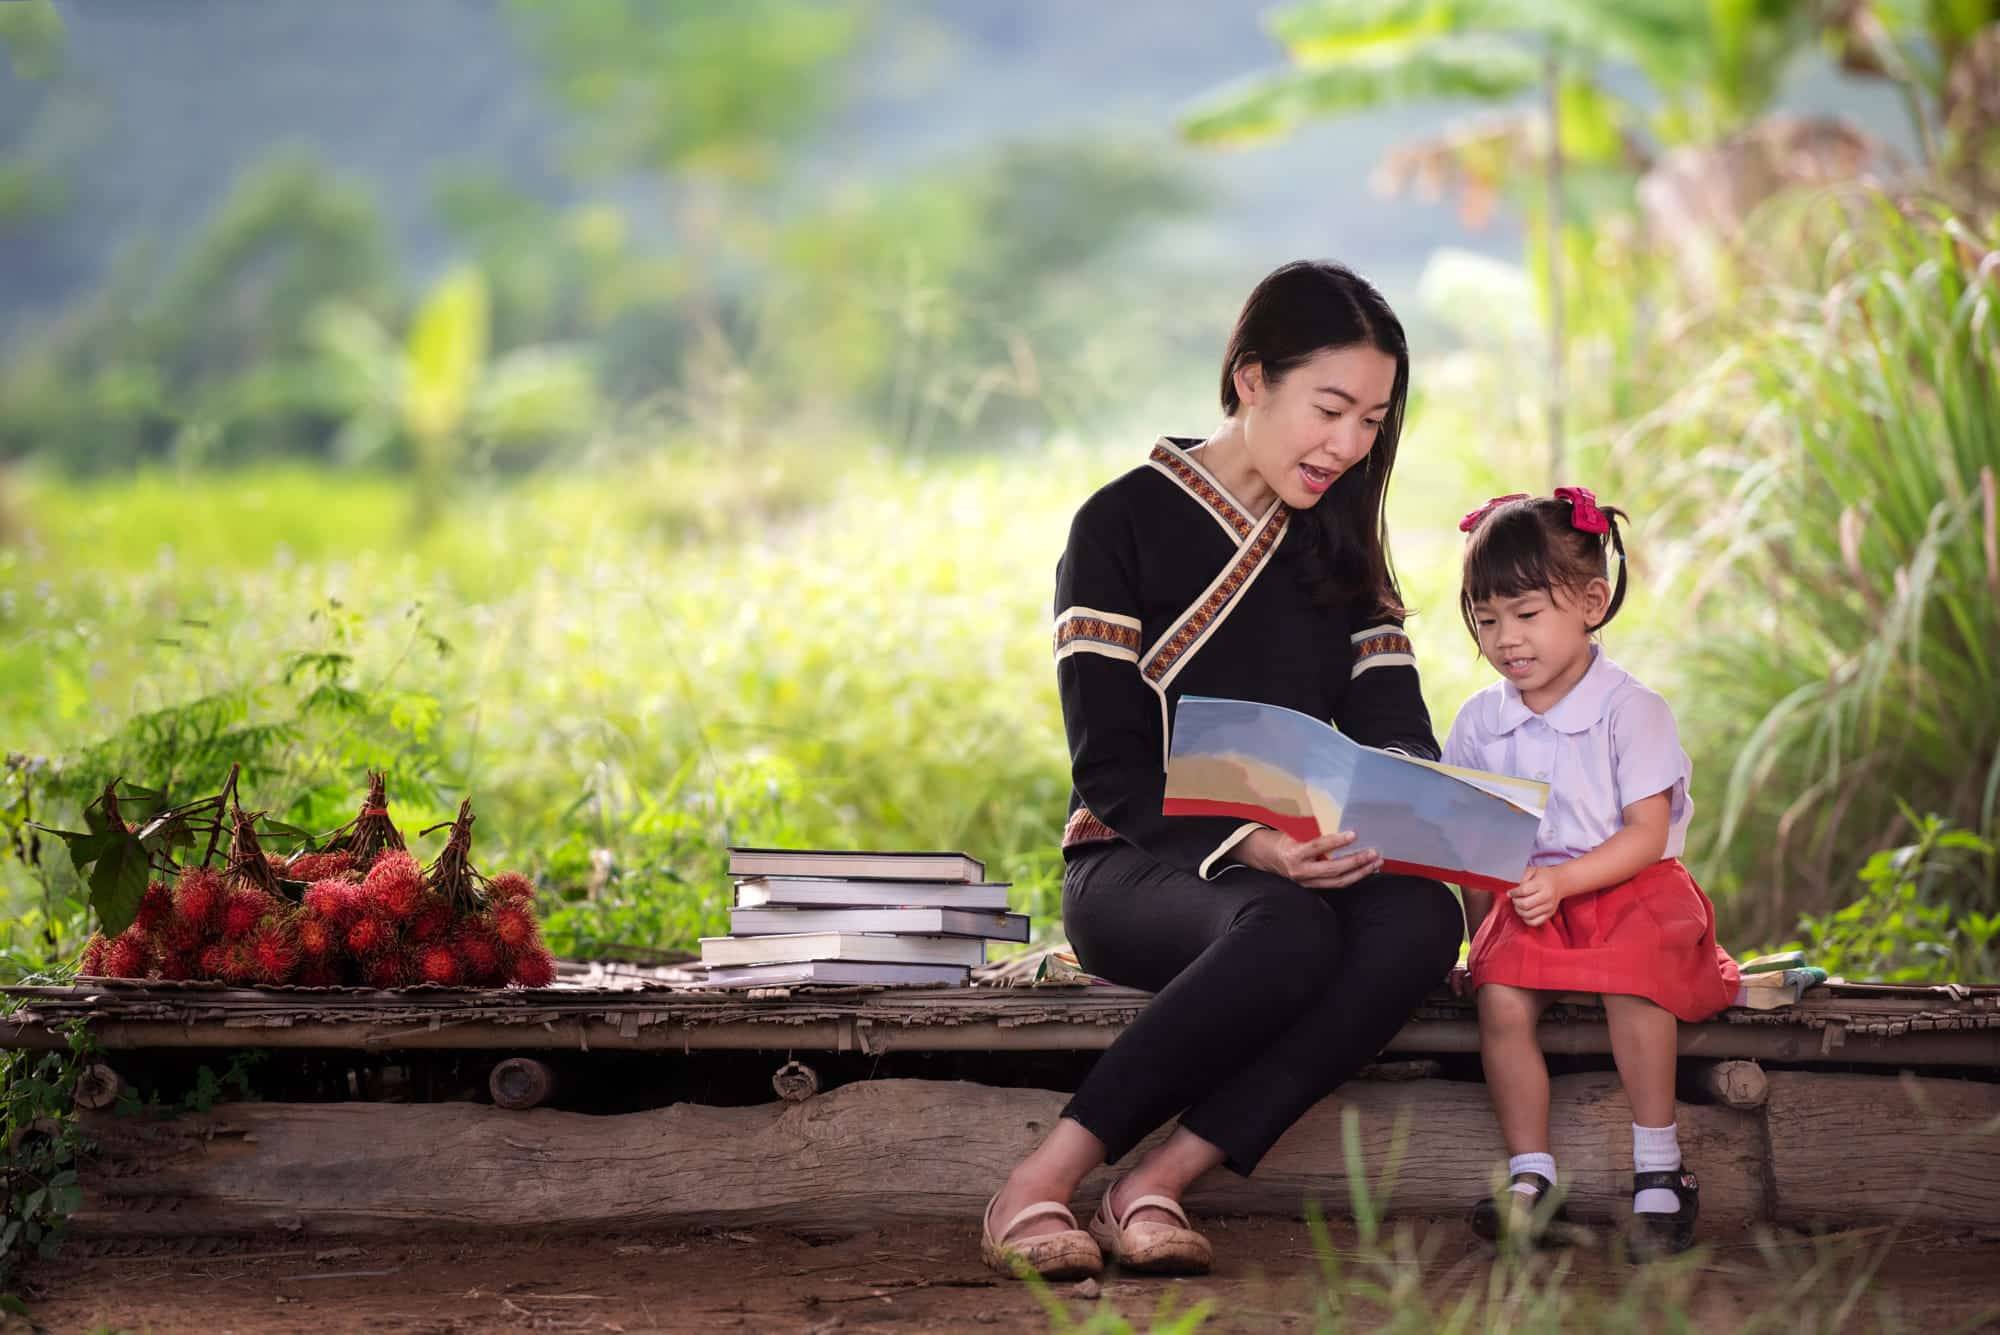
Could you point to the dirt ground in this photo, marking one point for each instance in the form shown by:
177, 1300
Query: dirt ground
908, 1279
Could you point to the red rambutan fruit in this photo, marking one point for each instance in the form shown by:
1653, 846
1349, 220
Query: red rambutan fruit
130, 955
437, 964
390, 969
370, 934
213, 962
243, 907
182, 937
274, 954
395, 883
178, 965
431, 922
198, 895
479, 950
317, 973
320, 866
237, 964
154, 906
317, 938
514, 927
94, 950
333, 900
511, 885
535, 967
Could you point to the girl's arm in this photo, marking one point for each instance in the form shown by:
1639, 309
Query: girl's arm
1478, 903
1621, 857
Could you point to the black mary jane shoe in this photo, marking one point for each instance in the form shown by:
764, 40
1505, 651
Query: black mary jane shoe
1656, 1235
1542, 1215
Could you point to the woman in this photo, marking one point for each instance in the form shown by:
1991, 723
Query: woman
1251, 565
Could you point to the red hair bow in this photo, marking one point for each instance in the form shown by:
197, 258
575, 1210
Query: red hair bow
1584, 516
1471, 521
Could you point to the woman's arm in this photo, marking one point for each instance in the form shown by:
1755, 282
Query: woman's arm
1114, 720
1382, 702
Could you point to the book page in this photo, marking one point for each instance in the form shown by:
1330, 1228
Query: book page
1527, 794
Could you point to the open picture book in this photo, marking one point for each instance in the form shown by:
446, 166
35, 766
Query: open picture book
1288, 770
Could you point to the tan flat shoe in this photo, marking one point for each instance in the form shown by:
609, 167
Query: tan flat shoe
1160, 1249
1068, 1254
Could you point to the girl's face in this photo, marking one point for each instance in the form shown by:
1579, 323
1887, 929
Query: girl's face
1540, 640
1318, 421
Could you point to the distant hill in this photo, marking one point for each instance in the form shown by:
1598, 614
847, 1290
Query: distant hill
164, 103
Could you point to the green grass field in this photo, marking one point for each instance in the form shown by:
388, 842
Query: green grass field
626, 667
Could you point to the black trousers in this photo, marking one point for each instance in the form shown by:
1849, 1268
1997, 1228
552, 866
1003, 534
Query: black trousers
1269, 995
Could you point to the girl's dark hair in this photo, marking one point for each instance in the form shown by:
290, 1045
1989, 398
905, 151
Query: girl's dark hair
1532, 545
1299, 311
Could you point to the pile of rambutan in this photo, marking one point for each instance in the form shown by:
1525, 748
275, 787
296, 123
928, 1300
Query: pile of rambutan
359, 910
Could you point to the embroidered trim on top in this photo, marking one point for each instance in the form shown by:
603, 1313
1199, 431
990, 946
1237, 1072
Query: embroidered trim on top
1084, 828
1197, 483
1381, 646
1085, 630
1171, 650
1207, 870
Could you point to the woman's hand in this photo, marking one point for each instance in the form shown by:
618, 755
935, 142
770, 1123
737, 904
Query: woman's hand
1310, 863
1538, 894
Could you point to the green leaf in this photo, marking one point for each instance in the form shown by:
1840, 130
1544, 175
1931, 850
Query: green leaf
278, 830
447, 352
1479, 69
1335, 29
1591, 123
118, 881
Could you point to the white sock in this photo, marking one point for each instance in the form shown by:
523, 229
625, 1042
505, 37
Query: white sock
1545, 1164
1656, 1149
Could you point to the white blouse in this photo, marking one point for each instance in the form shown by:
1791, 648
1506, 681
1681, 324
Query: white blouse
1607, 744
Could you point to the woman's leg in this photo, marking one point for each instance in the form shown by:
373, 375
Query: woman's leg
1643, 1044
1517, 1078
1231, 962
1398, 938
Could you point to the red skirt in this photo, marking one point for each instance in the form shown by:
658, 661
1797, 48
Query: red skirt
1652, 936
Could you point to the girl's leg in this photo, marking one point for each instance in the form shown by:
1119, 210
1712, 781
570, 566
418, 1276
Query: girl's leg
1517, 1078
1643, 1043
1643, 1039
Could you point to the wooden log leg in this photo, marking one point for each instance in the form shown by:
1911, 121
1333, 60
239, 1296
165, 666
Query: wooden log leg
1734, 1084
520, 1083
1861, 1149
97, 1086
841, 1159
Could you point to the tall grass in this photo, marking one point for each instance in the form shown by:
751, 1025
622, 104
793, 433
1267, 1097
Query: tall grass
1848, 655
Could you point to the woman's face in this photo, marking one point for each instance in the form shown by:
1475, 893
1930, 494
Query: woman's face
1316, 422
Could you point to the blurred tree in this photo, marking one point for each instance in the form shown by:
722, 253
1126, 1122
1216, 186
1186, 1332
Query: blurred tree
215, 359
32, 36
1712, 66
437, 399
965, 298
704, 88
1944, 55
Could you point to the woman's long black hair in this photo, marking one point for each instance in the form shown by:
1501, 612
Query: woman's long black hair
1298, 311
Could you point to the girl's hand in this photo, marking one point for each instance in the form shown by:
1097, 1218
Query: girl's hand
1459, 980
1310, 863
1538, 894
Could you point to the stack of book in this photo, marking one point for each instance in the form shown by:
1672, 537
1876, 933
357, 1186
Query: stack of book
846, 918
1771, 982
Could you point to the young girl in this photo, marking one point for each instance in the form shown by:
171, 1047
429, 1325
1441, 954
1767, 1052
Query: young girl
1605, 906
